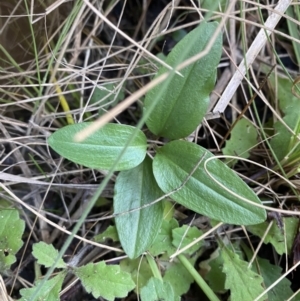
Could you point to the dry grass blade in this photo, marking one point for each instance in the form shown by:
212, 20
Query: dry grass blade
3, 293
252, 53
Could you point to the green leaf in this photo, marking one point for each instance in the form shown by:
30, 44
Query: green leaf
284, 141
214, 275
178, 35
139, 270
133, 189
163, 241
214, 5
107, 281
179, 278
101, 149
275, 236
183, 100
106, 97
46, 255
242, 138
244, 284
185, 235
175, 161
157, 290
270, 273
11, 231
293, 13
148, 65
289, 104
169, 210
49, 291
109, 233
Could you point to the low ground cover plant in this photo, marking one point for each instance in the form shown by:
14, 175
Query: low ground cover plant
157, 167
173, 111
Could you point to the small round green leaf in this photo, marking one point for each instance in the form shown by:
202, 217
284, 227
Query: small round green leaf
101, 149
177, 159
133, 189
183, 100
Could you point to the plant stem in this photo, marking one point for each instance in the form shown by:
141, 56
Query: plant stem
154, 268
200, 281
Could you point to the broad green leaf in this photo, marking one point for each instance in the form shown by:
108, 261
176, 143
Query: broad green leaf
11, 231
163, 241
156, 290
243, 137
275, 236
46, 255
270, 273
139, 270
175, 161
179, 278
107, 281
243, 283
133, 189
101, 149
49, 291
185, 235
183, 100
